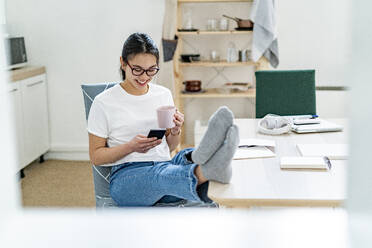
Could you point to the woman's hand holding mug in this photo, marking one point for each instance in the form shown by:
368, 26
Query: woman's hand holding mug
178, 121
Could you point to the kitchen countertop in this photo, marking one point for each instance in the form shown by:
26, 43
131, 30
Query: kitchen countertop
25, 72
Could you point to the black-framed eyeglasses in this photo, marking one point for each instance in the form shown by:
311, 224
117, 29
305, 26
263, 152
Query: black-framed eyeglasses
138, 71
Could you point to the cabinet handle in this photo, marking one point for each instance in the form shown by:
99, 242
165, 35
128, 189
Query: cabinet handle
10, 91
38, 82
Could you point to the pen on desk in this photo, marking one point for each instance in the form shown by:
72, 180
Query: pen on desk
328, 162
246, 146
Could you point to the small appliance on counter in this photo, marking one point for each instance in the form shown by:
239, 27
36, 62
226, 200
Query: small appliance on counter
15, 52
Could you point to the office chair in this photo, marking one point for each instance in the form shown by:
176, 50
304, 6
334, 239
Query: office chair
101, 174
285, 92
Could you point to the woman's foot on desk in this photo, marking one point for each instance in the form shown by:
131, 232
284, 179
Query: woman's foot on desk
215, 135
218, 168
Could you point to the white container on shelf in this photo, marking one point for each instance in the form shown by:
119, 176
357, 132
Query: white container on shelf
232, 53
224, 24
212, 25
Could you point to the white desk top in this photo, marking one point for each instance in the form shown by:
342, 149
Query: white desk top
261, 182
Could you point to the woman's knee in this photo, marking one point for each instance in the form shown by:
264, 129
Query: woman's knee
129, 195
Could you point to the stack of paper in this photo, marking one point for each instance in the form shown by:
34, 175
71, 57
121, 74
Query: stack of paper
255, 148
332, 151
323, 126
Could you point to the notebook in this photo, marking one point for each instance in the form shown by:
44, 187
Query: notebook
255, 148
253, 152
332, 151
323, 126
318, 163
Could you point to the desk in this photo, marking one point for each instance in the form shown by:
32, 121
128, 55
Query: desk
261, 182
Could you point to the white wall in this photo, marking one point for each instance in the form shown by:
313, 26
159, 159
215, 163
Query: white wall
332, 103
316, 34
78, 42
81, 41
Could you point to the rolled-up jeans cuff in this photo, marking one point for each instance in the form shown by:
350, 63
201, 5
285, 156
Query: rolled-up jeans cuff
184, 155
194, 183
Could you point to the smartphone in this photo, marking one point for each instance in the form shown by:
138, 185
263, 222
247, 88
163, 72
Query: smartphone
158, 133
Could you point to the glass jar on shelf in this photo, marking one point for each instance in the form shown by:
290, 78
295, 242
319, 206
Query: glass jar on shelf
212, 24
187, 23
224, 24
214, 56
232, 53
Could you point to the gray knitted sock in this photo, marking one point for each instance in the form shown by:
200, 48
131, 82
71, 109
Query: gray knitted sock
218, 168
213, 138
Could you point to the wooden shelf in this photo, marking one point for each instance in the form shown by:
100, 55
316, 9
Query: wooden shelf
205, 32
213, 93
222, 63
212, 1
180, 68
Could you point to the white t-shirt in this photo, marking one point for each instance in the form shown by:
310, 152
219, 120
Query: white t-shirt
119, 116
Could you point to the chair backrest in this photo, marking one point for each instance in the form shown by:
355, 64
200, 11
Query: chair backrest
101, 174
285, 92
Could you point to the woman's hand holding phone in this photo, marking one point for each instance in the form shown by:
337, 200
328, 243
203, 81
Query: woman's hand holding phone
142, 144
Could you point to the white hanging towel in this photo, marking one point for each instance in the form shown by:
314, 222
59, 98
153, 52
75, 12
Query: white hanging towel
265, 40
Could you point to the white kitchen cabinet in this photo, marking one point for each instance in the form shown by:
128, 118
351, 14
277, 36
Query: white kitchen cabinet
14, 92
30, 107
35, 117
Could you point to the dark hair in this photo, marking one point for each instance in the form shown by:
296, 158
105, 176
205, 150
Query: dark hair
135, 44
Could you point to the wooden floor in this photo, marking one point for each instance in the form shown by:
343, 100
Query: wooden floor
57, 183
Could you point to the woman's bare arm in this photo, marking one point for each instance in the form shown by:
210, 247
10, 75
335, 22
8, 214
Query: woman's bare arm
100, 154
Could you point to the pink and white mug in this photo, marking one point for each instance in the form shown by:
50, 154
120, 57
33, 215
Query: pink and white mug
165, 116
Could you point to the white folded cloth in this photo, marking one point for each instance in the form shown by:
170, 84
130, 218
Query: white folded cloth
265, 40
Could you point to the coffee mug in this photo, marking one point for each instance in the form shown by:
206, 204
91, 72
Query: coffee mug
165, 116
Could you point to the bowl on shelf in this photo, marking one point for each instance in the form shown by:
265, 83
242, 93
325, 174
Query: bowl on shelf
190, 57
192, 85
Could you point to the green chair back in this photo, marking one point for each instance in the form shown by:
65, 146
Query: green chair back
285, 92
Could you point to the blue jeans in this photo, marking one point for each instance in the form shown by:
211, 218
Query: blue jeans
146, 183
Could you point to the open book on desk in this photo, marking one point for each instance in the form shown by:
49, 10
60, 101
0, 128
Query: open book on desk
255, 148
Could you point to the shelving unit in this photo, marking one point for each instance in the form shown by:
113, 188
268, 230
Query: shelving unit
212, 1
222, 63
212, 93
205, 32
179, 66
